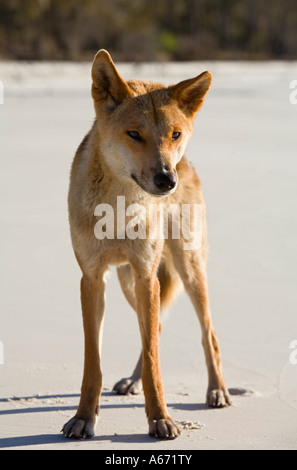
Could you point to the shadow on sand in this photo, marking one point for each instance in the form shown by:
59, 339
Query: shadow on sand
44, 439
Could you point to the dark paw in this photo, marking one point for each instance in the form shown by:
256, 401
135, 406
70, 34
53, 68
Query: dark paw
129, 386
218, 398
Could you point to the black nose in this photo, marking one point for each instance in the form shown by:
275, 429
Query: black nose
165, 181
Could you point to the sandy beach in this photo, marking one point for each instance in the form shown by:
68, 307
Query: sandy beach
244, 150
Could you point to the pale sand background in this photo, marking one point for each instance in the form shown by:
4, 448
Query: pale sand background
244, 149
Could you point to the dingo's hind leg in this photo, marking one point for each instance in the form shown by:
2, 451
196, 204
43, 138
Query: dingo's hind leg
192, 269
170, 285
129, 385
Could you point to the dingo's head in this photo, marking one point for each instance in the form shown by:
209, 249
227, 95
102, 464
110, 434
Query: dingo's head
144, 127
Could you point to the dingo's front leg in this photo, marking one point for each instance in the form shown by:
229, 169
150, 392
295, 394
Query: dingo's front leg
147, 291
82, 425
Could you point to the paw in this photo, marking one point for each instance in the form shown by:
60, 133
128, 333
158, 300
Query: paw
163, 429
129, 386
79, 428
218, 398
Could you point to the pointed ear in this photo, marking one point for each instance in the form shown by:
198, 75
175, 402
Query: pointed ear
190, 94
108, 87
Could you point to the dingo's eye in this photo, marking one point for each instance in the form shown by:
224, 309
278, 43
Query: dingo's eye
135, 135
176, 135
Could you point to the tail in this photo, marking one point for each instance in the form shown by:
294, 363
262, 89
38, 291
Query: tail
170, 282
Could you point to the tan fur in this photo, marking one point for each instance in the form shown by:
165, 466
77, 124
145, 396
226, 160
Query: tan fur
112, 162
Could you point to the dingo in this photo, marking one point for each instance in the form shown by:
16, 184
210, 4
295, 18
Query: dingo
136, 149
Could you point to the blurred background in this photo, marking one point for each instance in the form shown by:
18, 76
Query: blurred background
148, 30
